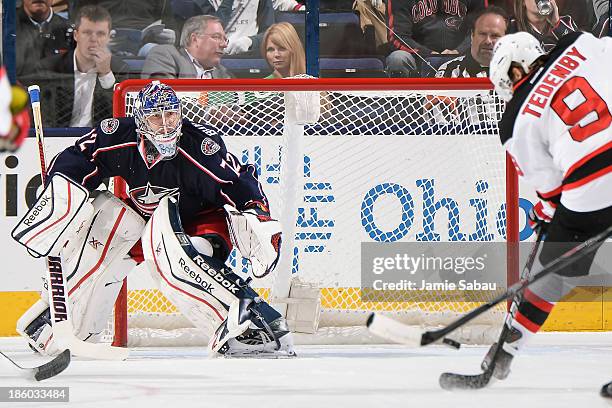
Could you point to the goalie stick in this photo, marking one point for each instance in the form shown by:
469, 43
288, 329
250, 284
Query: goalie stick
47, 370
63, 330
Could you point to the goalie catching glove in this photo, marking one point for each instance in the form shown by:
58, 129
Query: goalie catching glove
257, 236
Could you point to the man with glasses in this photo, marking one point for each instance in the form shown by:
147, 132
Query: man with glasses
203, 43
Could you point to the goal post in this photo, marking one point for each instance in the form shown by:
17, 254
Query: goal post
389, 160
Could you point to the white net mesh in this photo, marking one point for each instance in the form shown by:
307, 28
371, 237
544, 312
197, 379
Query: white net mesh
378, 166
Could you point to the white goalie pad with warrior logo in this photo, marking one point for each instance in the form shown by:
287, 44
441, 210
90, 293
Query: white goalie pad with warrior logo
95, 262
205, 290
59, 211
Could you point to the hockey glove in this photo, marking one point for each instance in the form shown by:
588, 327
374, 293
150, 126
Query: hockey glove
540, 216
257, 236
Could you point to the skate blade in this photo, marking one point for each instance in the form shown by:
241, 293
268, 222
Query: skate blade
260, 354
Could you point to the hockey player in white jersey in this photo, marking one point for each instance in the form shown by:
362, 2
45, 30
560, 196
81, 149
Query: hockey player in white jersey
557, 129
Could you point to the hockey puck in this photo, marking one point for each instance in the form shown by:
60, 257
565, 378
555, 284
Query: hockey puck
451, 343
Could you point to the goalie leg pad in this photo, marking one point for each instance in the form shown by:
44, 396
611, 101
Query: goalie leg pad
59, 212
95, 264
35, 326
112, 230
202, 287
92, 307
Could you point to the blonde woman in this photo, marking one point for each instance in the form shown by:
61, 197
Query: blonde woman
283, 50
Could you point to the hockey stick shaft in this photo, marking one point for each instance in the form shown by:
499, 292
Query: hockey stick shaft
57, 285
34, 92
554, 266
451, 381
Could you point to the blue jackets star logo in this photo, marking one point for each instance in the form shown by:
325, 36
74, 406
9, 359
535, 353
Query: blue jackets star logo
147, 198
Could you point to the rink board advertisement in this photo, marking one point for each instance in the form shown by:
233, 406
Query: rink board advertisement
353, 189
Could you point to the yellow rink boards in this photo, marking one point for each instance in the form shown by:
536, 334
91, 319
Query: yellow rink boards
585, 309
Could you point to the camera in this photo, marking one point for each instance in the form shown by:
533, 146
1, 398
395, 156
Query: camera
545, 7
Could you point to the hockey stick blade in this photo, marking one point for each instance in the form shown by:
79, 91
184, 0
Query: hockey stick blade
452, 381
606, 390
65, 338
47, 370
387, 328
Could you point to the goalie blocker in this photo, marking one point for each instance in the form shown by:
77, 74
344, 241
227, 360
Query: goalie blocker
59, 211
208, 293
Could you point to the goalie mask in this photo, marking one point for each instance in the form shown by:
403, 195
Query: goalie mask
158, 116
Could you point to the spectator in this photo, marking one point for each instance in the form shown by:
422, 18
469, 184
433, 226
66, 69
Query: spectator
422, 28
601, 9
283, 50
489, 26
547, 29
372, 13
245, 21
203, 43
136, 23
40, 33
77, 88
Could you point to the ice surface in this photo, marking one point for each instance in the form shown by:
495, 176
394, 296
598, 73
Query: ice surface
558, 370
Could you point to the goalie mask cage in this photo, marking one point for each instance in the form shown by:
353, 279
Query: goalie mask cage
388, 160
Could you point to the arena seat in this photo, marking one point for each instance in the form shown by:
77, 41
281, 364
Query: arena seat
339, 33
431, 64
351, 68
247, 67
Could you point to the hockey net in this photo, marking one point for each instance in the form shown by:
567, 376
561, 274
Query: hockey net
386, 161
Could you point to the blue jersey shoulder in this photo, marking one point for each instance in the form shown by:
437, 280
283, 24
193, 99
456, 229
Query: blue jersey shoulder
200, 140
117, 130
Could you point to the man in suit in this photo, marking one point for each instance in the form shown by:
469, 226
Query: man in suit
77, 87
203, 43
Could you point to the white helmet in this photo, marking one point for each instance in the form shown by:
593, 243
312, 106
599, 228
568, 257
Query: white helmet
522, 48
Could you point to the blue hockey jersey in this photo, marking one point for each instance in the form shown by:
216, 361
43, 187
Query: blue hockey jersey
203, 175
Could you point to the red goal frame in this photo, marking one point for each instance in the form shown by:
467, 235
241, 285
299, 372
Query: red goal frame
323, 84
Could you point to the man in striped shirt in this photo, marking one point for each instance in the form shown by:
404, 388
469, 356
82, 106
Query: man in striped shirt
489, 26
